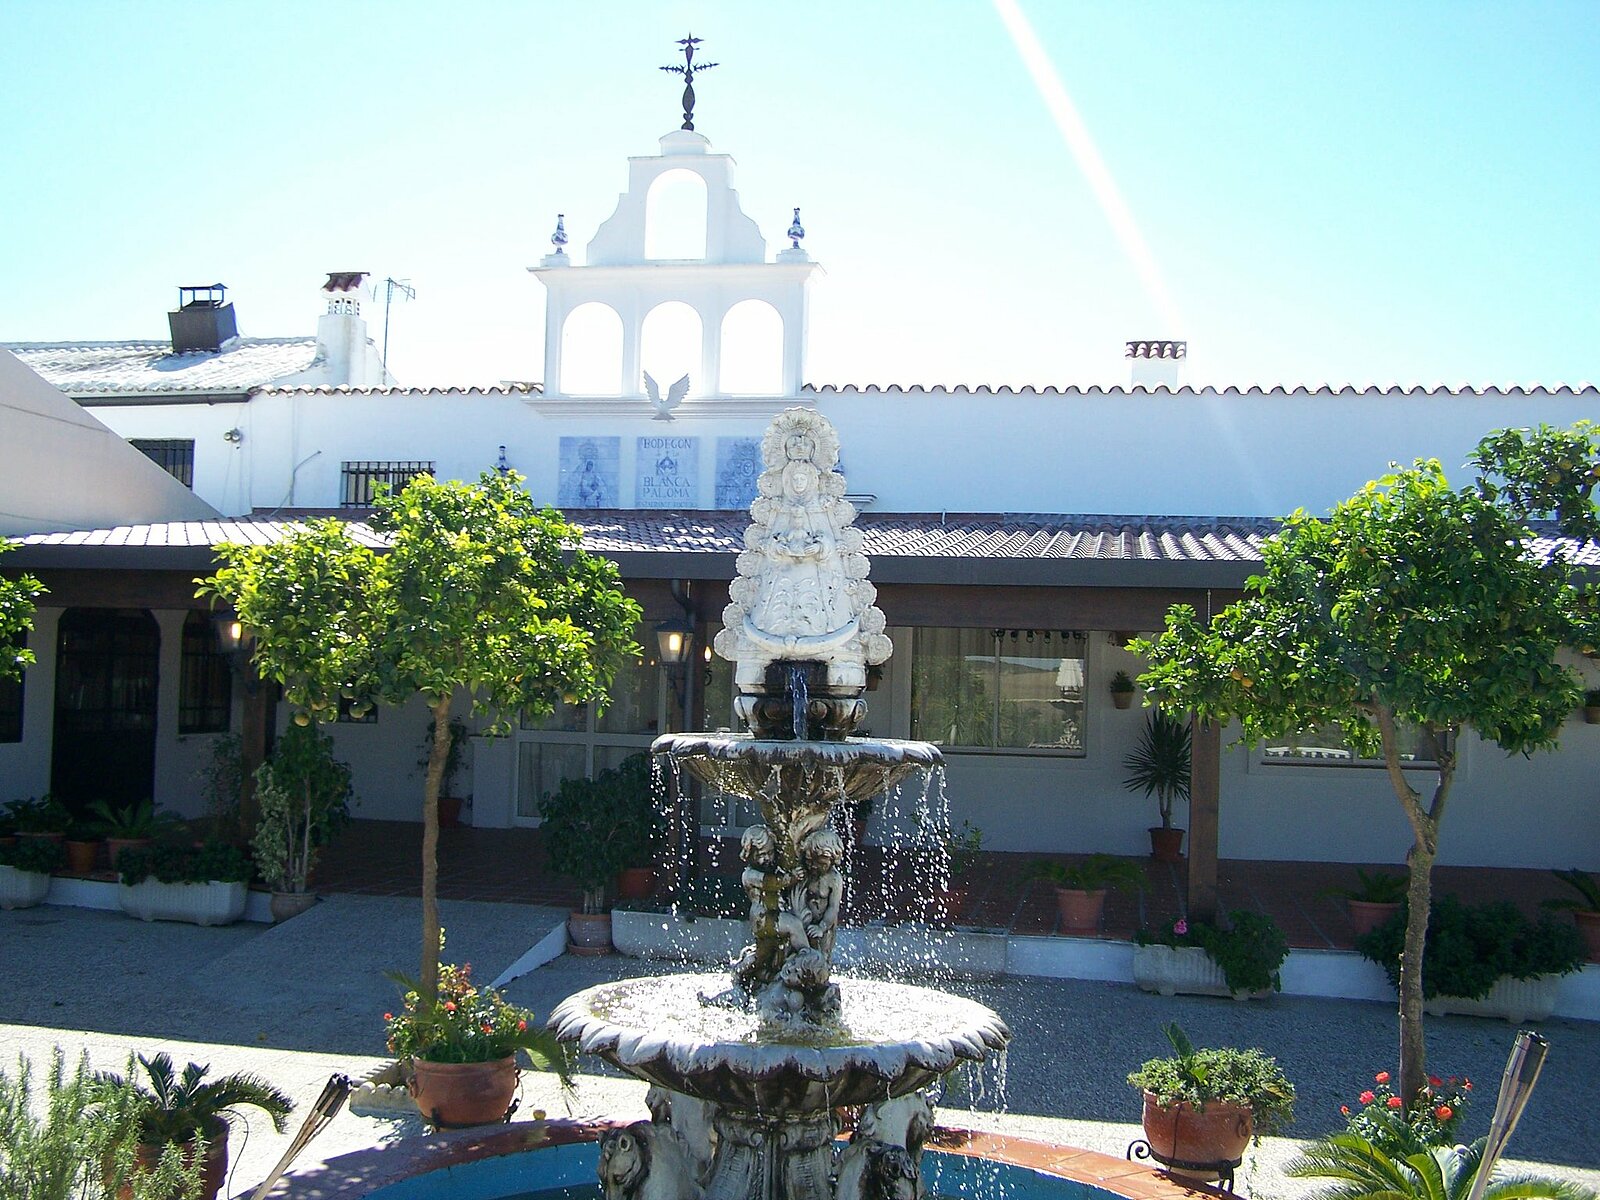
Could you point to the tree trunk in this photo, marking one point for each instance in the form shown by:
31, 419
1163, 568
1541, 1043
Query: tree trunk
1419, 899
428, 980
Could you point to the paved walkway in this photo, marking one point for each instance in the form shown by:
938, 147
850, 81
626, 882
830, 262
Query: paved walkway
302, 1000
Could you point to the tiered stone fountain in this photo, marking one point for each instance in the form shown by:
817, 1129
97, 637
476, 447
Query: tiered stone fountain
750, 1068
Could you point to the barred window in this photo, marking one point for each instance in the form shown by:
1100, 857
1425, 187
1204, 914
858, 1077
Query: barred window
205, 696
175, 456
358, 479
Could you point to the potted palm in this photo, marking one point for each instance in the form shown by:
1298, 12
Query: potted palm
462, 1050
25, 870
1122, 690
592, 829
1081, 888
191, 1113
1159, 766
303, 793
1373, 901
1585, 908
1202, 1107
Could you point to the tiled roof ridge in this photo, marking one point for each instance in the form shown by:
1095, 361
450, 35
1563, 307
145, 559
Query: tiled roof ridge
158, 343
1582, 388
391, 389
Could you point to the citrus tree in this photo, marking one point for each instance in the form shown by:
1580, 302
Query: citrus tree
479, 593
16, 618
1412, 604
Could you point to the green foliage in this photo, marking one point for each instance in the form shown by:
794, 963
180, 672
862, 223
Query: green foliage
1362, 1170
177, 863
1585, 884
1249, 951
1544, 472
1469, 947
43, 815
16, 618
1379, 887
304, 796
1397, 1128
180, 1108
222, 780
41, 855
1122, 683
1248, 1077
132, 821
1159, 765
471, 1024
75, 1140
593, 828
1092, 874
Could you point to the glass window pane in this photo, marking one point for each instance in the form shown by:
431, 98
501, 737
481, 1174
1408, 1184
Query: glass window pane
1040, 694
633, 707
953, 686
541, 766
718, 680
567, 718
1327, 745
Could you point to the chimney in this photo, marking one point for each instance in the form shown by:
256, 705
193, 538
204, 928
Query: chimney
342, 331
1157, 363
203, 320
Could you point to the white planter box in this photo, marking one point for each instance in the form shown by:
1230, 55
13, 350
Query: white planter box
1182, 970
22, 889
1516, 1000
213, 903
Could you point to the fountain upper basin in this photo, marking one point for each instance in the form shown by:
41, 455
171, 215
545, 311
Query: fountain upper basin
895, 1038
742, 765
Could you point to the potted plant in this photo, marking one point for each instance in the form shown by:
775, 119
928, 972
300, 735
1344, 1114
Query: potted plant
592, 829
191, 1113
1483, 960
130, 826
449, 802
462, 1050
1241, 959
1081, 888
646, 828
82, 844
303, 793
1159, 766
1591, 706
1373, 901
205, 885
1122, 689
42, 818
25, 870
1585, 909
1203, 1107
76, 1136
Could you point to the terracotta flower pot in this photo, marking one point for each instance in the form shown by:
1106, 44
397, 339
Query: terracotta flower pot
1200, 1144
636, 883
146, 1155
1122, 699
451, 1095
1367, 915
81, 856
115, 847
1589, 927
284, 905
1591, 714
449, 812
589, 934
1166, 845
1080, 910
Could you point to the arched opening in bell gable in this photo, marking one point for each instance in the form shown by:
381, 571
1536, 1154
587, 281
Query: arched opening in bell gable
675, 216
752, 349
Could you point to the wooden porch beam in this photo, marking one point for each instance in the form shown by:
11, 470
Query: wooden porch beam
1205, 790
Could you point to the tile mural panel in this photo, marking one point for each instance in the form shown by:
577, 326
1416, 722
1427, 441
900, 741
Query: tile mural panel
667, 473
591, 474
738, 468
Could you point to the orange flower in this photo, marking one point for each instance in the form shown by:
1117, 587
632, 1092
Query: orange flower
1395, 1102
449, 1006
1367, 1097
1444, 1112
1381, 1077
1435, 1081
488, 1028
1344, 1109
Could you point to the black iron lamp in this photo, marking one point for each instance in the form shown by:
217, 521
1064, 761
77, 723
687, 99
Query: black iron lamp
674, 641
234, 643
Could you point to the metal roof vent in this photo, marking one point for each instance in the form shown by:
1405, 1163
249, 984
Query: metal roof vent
203, 320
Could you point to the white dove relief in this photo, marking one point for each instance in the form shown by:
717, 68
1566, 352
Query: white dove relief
675, 394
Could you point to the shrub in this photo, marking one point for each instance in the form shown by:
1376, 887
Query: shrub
594, 827
33, 854
1249, 952
1469, 947
1248, 1077
470, 1024
214, 861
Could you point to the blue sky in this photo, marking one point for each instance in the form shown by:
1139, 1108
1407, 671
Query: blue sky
1330, 192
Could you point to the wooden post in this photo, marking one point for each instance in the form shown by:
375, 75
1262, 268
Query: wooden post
255, 736
1205, 790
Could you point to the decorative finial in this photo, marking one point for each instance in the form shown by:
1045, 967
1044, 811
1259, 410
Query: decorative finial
558, 239
796, 231
687, 71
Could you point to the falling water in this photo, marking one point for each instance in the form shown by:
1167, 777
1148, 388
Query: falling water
800, 696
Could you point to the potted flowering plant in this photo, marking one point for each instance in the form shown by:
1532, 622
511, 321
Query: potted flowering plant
463, 1049
1386, 1121
1203, 1107
25, 869
1240, 959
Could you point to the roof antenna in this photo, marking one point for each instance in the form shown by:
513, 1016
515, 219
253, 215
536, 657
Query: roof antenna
407, 292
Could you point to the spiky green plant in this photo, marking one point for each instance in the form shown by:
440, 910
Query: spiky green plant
1159, 765
1363, 1171
178, 1108
1586, 885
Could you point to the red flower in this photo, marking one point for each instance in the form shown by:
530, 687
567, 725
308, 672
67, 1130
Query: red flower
1395, 1102
1435, 1081
388, 1016
521, 1025
1367, 1097
1467, 1086
1344, 1109
449, 1006
1444, 1112
1381, 1077
488, 1028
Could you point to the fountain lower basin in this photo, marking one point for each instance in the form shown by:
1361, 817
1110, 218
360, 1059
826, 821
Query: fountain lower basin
894, 1038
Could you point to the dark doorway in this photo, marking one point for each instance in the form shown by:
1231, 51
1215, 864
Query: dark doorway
107, 671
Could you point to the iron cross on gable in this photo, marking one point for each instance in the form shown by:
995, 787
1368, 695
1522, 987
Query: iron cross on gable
687, 70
